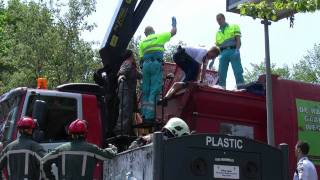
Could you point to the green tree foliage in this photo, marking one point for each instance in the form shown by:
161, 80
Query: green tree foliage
308, 68
259, 69
171, 49
272, 9
45, 41
26, 52
134, 46
74, 60
4, 66
2, 33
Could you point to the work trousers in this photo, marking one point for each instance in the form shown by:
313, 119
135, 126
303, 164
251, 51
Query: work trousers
227, 56
151, 86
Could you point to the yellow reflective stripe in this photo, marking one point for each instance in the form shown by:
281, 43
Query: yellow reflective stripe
152, 51
228, 42
158, 47
230, 39
237, 33
153, 42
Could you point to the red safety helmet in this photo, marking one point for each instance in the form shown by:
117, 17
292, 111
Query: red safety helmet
26, 123
78, 126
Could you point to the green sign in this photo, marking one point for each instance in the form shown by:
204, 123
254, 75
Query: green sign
308, 114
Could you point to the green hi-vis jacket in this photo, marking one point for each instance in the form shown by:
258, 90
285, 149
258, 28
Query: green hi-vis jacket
22, 158
153, 43
226, 35
75, 160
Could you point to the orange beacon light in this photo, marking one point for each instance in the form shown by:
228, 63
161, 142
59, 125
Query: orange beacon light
41, 83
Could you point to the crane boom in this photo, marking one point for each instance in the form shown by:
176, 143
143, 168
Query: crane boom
124, 24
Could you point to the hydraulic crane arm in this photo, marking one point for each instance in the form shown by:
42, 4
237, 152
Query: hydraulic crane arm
125, 23
122, 29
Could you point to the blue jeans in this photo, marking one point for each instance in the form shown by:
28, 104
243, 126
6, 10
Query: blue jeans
151, 85
226, 56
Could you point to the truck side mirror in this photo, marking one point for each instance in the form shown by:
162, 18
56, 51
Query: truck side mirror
39, 112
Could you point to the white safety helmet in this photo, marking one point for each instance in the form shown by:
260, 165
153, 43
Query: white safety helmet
177, 127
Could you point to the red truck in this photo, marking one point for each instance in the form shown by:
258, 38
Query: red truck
206, 110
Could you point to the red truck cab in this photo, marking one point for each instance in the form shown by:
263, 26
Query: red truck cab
61, 109
57, 110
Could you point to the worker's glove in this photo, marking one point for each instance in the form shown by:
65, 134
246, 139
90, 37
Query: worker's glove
113, 148
174, 22
147, 138
141, 141
237, 52
121, 78
134, 145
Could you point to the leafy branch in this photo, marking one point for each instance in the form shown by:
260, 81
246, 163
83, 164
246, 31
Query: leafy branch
276, 9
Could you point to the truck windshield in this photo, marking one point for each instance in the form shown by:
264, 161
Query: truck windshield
59, 113
9, 110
